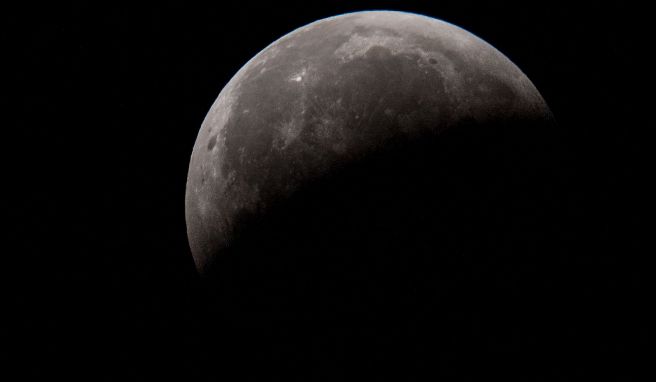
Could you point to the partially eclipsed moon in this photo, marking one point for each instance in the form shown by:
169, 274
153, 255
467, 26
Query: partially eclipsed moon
331, 93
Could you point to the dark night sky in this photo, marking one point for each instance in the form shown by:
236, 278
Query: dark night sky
100, 280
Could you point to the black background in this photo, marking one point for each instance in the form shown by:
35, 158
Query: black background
100, 281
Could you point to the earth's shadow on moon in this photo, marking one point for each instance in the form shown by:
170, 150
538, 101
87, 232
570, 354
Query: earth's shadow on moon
435, 251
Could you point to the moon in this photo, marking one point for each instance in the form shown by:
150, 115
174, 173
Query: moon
337, 93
